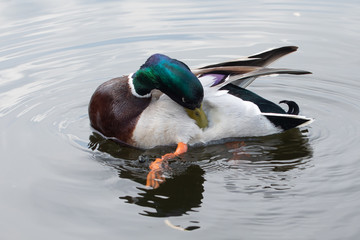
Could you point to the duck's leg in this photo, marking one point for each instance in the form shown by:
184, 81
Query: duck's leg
154, 177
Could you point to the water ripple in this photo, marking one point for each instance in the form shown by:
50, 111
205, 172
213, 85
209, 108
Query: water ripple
299, 183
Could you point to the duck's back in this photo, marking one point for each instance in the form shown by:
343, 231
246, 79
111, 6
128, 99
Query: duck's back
114, 110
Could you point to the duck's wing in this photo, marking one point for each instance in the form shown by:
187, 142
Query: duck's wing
235, 76
241, 76
242, 72
257, 60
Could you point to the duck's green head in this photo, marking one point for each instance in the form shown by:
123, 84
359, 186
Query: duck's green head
171, 77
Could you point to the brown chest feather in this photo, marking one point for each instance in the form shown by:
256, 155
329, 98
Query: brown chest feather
114, 111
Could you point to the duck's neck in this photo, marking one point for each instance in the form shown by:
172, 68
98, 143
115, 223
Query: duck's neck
142, 83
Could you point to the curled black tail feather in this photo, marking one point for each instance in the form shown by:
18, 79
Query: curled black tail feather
293, 107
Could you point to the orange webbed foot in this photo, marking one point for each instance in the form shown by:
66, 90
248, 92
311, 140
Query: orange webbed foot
155, 176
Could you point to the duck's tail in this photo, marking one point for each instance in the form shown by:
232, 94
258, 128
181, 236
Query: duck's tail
287, 121
273, 112
293, 107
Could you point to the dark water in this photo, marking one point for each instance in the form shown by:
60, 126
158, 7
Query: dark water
58, 180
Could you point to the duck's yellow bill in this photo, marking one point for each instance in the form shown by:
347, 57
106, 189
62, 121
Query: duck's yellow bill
199, 116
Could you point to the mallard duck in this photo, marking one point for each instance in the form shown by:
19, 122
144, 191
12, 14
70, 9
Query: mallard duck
167, 103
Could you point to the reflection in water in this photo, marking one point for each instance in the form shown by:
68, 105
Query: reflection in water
180, 193
261, 157
175, 197
282, 152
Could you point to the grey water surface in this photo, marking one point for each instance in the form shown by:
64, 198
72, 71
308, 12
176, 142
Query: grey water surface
59, 180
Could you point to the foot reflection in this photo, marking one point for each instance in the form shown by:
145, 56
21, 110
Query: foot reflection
175, 197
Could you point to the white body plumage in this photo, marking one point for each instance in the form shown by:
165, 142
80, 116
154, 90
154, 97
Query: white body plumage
164, 122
